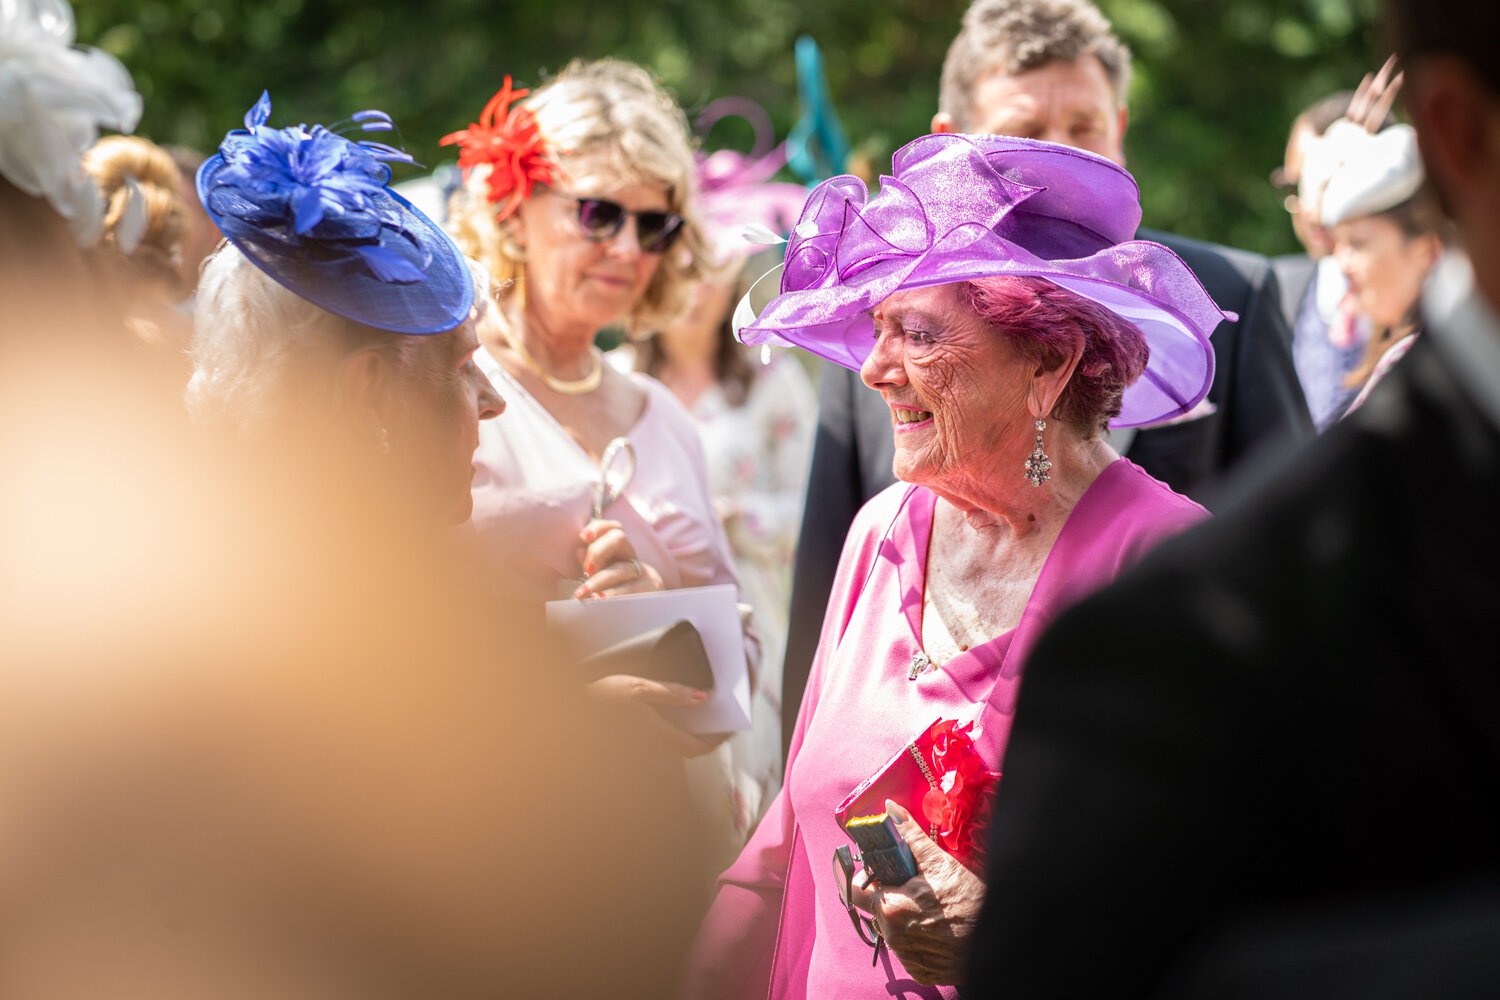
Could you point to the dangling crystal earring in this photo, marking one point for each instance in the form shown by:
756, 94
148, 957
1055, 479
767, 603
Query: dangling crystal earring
382, 443
1037, 463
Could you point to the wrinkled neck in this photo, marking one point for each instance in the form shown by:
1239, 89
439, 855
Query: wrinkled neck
1002, 498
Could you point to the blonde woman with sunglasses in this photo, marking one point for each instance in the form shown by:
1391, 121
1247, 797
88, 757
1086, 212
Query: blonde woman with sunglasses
578, 197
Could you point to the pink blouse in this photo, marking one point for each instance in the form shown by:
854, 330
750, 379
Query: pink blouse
777, 927
534, 491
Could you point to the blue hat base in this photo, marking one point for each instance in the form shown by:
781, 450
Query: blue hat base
332, 274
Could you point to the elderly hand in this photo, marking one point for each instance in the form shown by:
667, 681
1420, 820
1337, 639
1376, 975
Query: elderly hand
609, 563
928, 921
636, 695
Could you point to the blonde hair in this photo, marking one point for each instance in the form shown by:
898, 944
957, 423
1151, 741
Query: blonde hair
110, 162
616, 110
1014, 36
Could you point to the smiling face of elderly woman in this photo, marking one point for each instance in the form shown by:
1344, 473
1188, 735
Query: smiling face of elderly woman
957, 392
965, 369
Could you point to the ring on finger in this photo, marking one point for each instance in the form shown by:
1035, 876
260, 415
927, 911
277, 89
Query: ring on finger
635, 564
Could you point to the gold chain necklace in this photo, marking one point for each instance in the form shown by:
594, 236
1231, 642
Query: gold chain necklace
576, 387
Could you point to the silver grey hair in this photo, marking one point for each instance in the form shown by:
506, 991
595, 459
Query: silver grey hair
259, 348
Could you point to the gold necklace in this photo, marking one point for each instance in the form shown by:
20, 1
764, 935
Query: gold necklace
576, 387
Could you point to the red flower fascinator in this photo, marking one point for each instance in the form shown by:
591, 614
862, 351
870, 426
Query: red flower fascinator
508, 140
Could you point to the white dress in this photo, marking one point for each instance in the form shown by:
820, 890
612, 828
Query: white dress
534, 491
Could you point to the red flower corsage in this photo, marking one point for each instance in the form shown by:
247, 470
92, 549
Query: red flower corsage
958, 806
513, 148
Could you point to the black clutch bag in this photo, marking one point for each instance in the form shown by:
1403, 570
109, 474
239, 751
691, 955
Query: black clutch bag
672, 653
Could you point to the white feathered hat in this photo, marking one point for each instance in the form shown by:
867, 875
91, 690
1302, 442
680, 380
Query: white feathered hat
54, 97
1348, 173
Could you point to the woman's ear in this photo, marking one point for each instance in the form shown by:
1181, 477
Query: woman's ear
513, 226
1047, 384
367, 386
1434, 249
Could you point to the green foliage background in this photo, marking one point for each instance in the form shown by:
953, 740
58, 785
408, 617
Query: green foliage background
1217, 82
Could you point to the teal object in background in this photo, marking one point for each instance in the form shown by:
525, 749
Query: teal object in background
817, 147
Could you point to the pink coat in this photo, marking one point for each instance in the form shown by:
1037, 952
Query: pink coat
777, 918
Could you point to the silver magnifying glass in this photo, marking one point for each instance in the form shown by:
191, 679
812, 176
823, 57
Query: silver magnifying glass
616, 469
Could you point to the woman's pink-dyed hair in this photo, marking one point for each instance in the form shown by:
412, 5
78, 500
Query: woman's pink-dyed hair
1046, 322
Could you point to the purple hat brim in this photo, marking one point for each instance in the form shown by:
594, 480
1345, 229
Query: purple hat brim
966, 207
342, 284
834, 324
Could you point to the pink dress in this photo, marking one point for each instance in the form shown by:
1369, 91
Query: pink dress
777, 918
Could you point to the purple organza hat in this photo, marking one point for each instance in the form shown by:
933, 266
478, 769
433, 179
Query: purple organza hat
979, 206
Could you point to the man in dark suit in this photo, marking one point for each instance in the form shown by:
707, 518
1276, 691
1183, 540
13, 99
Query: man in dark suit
1275, 746
1051, 69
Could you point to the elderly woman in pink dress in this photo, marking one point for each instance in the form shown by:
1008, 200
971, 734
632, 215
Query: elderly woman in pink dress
993, 294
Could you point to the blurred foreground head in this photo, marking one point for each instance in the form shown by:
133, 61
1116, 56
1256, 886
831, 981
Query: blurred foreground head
1448, 50
252, 745
234, 753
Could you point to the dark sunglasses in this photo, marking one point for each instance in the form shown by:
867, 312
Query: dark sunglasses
601, 220
844, 867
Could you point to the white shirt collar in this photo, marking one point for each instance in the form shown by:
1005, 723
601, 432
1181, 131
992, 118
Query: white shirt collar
1329, 288
1465, 328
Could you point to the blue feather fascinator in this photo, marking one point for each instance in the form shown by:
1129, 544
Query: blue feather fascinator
314, 210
